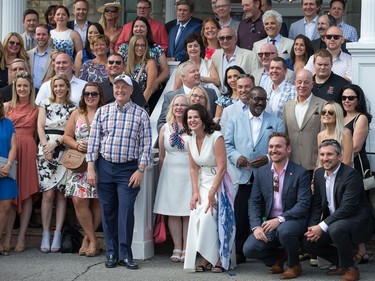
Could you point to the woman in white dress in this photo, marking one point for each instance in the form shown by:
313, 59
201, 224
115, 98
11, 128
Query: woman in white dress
208, 165
174, 188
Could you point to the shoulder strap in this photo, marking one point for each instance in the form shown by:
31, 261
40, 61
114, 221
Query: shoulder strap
87, 123
355, 120
140, 72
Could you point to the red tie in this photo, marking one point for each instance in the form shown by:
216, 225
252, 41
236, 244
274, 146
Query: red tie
273, 41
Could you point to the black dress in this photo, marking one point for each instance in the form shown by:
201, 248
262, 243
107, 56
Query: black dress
3, 77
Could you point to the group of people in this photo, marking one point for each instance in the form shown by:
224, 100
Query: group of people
262, 136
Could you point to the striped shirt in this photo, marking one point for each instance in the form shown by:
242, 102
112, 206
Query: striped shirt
120, 134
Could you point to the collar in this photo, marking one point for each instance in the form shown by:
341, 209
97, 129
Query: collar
333, 174
123, 108
251, 116
185, 24
315, 20
225, 25
186, 89
277, 38
284, 169
46, 51
279, 88
86, 23
307, 101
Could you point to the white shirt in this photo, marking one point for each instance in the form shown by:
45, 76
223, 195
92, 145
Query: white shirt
255, 124
229, 63
330, 184
310, 27
76, 86
301, 109
274, 99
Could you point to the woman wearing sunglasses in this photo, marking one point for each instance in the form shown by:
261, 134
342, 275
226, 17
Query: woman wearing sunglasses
14, 49
357, 119
85, 197
333, 121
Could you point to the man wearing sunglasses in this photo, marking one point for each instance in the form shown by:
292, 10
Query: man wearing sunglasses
340, 216
279, 209
115, 66
327, 85
341, 62
230, 54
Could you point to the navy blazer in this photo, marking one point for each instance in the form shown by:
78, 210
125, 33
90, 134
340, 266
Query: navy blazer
296, 194
177, 51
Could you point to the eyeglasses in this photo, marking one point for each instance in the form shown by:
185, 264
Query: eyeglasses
143, 8
258, 99
351, 98
330, 36
227, 38
17, 69
196, 96
15, 43
330, 112
266, 54
142, 46
221, 6
110, 10
276, 183
90, 94
118, 62
180, 105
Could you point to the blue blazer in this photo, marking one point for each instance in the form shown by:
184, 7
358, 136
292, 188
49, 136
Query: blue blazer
296, 194
239, 140
298, 27
177, 51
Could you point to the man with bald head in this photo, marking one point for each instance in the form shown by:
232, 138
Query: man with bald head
342, 62
63, 66
230, 54
261, 75
302, 122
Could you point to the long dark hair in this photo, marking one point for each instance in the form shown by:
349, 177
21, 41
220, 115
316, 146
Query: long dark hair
82, 104
361, 106
308, 48
149, 37
87, 48
230, 90
209, 126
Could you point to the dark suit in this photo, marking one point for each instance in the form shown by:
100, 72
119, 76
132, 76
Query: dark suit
350, 223
70, 24
177, 50
169, 25
168, 97
296, 198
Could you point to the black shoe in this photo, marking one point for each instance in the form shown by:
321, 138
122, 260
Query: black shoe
111, 262
122, 263
131, 264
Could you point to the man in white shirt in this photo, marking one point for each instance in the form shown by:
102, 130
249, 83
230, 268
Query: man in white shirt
80, 24
309, 23
63, 66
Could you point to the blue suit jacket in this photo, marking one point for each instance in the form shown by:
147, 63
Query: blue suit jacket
177, 51
296, 194
298, 27
239, 140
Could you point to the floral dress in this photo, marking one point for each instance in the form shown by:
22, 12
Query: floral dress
225, 101
63, 41
76, 183
52, 175
93, 72
142, 79
155, 53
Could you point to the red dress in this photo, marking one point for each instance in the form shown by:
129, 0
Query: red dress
24, 119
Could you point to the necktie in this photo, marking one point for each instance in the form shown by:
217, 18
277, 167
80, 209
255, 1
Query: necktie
29, 43
273, 41
180, 29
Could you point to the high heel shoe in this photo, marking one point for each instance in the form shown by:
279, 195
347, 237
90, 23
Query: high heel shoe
84, 247
45, 247
56, 243
93, 250
360, 259
19, 248
4, 251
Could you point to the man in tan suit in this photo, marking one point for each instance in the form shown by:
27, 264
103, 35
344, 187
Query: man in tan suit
302, 122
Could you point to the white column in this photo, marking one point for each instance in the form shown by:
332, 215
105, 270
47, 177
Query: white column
11, 20
1, 13
367, 21
170, 10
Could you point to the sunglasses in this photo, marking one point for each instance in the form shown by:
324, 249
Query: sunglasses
336, 37
91, 94
110, 11
227, 38
276, 183
266, 54
14, 43
330, 112
118, 62
351, 98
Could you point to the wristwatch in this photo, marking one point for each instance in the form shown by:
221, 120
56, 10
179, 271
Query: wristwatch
141, 170
58, 142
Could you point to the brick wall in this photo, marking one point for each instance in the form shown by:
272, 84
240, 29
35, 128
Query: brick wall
41, 5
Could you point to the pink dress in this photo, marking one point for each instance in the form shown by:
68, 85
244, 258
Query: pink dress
24, 119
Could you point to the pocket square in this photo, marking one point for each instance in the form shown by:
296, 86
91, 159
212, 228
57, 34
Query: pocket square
269, 127
285, 52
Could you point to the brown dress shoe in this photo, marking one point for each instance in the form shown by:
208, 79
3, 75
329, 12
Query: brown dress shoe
336, 271
278, 267
352, 274
291, 273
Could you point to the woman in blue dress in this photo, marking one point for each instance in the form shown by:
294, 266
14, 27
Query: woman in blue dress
8, 186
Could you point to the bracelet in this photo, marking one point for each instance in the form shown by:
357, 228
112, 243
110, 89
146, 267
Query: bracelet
10, 164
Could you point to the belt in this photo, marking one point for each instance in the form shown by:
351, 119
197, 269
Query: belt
54, 132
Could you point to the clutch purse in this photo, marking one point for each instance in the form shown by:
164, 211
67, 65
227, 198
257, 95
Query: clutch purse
13, 169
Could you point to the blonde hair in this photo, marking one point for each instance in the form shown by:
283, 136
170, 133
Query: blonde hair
207, 103
22, 54
2, 57
170, 116
15, 98
63, 77
130, 64
339, 126
103, 22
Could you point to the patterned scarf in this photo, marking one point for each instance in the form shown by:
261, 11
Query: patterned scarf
175, 139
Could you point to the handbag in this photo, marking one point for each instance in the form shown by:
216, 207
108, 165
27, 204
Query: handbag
369, 182
13, 169
75, 160
160, 234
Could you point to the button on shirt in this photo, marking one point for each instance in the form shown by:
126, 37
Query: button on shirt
227, 63
120, 134
82, 32
330, 184
301, 109
277, 206
39, 66
311, 27
274, 97
255, 124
